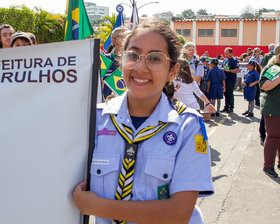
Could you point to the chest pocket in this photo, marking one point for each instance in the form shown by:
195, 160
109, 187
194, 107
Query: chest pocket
159, 170
104, 174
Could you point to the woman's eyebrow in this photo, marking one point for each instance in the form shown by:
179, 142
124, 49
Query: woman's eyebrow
138, 49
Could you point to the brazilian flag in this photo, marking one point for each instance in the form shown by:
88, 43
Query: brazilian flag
105, 64
116, 83
77, 24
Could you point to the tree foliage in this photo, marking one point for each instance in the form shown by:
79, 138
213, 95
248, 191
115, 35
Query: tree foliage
188, 14
47, 27
19, 17
202, 12
105, 28
248, 12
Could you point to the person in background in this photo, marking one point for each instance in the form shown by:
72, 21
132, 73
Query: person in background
216, 85
20, 39
220, 57
186, 88
157, 161
257, 56
269, 55
249, 51
188, 52
270, 108
206, 71
245, 58
258, 59
264, 62
6, 31
251, 80
230, 67
117, 36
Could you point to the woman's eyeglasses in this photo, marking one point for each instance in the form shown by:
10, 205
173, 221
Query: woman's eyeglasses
154, 60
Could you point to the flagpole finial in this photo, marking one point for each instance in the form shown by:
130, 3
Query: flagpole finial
119, 8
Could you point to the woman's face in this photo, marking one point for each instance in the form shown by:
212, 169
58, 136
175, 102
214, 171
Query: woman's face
5, 37
142, 82
189, 51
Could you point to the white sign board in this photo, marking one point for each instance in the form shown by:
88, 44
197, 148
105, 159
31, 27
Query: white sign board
45, 97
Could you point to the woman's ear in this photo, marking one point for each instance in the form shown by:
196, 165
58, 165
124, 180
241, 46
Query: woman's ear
173, 72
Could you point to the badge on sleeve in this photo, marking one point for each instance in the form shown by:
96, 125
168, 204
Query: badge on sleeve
163, 192
200, 144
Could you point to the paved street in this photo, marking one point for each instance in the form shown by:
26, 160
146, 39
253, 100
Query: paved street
243, 193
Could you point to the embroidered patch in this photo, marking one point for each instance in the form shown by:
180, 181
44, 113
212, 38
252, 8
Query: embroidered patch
200, 144
170, 138
163, 192
105, 131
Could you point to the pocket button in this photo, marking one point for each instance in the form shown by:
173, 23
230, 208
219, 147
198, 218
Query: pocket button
98, 171
165, 175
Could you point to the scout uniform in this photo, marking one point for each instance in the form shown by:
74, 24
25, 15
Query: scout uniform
216, 77
176, 158
231, 63
250, 77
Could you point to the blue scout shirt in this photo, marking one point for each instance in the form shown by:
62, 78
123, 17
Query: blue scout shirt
231, 63
250, 77
216, 75
177, 163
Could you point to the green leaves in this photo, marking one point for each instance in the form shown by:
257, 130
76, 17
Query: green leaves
47, 27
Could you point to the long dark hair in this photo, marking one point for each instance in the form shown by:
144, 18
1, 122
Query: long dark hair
184, 75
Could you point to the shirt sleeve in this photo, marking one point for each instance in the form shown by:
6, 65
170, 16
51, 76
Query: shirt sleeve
196, 89
192, 171
199, 70
263, 79
235, 64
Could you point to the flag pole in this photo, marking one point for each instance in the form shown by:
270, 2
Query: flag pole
94, 83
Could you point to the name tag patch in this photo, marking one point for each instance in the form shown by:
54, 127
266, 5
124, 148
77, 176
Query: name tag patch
100, 162
200, 144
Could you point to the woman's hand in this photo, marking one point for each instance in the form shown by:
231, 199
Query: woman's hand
211, 108
86, 201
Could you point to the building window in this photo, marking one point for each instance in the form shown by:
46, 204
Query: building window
186, 32
205, 32
229, 33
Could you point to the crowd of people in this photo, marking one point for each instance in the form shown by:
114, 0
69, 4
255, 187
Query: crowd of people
10, 39
161, 76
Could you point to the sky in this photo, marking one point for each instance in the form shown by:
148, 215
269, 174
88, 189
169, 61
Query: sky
218, 7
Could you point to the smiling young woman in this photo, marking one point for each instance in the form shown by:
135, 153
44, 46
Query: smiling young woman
155, 162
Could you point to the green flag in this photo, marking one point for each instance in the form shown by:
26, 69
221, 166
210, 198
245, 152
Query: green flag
116, 83
273, 72
105, 64
77, 24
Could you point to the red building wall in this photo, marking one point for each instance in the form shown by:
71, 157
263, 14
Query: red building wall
215, 50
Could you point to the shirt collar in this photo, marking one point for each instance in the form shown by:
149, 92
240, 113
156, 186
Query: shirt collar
164, 111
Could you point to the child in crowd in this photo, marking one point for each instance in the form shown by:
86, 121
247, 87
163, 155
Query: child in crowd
216, 84
20, 39
155, 162
186, 87
251, 79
